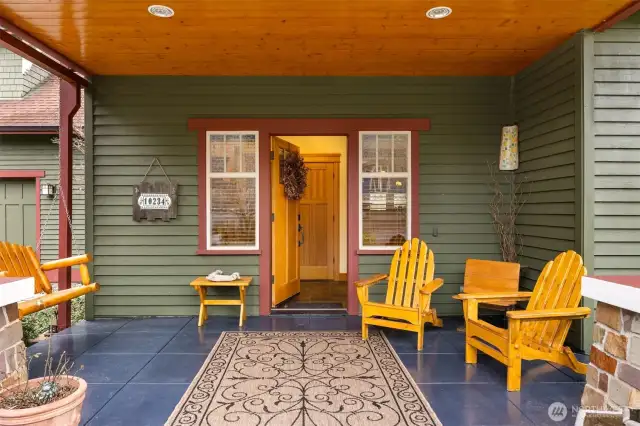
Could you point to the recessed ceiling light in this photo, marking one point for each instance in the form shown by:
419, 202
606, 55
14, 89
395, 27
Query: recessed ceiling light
439, 12
160, 11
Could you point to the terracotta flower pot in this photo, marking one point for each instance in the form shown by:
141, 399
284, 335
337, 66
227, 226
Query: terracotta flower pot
64, 412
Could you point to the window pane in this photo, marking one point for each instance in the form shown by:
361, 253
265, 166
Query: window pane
400, 153
368, 153
249, 153
384, 211
217, 153
233, 212
233, 153
385, 146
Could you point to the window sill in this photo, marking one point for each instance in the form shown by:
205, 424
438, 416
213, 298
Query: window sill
375, 251
230, 252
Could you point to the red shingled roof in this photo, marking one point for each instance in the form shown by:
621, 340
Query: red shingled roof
39, 108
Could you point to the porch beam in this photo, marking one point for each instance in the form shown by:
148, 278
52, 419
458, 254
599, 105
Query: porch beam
27, 51
619, 16
69, 105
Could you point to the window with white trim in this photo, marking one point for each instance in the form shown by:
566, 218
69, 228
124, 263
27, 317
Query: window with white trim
232, 190
385, 188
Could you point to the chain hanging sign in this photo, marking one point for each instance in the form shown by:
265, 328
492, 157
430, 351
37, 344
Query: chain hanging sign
155, 200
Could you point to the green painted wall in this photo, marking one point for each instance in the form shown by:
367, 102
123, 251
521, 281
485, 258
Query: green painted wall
548, 109
545, 110
145, 268
36, 152
616, 149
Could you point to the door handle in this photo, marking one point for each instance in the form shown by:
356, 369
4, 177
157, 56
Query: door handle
301, 230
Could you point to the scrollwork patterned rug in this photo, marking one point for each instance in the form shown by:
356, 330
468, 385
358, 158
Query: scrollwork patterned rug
303, 378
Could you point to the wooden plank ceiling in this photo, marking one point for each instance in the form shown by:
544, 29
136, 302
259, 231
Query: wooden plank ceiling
306, 37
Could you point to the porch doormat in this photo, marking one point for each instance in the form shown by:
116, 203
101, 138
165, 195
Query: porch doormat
313, 305
287, 378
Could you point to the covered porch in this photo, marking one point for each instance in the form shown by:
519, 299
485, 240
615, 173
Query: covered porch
151, 99
155, 89
138, 369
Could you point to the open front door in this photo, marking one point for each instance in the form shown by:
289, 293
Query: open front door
286, 232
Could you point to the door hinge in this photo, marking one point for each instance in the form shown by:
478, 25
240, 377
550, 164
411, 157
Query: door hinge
273, 155
298, 217
273, 279
273, 217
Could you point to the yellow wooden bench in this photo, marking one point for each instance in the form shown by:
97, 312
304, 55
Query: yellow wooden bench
21, 261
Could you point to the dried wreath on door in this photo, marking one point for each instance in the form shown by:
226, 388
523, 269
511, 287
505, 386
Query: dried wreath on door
294, 176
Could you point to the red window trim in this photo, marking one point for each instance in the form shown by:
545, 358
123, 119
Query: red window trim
266, 127
224, 252
415, 194
365, 252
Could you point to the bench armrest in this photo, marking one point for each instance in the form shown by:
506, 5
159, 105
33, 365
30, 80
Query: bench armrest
431, 286
514, 295
544, 314
368, 282
64, 263
45, 301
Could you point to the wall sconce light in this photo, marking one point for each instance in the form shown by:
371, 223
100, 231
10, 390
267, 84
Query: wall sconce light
48, 190
509, 148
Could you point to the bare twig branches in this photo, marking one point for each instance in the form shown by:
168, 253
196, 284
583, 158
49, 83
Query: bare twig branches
505, 206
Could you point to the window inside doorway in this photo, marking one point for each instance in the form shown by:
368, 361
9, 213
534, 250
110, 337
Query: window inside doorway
232, 195
385, 188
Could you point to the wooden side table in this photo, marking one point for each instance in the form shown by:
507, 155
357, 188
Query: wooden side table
202, 283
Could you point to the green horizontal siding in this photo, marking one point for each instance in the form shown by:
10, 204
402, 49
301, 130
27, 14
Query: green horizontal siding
545, 112
616, 128
549, 123
36, 152
144, 269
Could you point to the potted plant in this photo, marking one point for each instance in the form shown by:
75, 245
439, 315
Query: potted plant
52, 400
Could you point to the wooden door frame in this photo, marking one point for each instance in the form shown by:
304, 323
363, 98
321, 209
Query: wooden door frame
25, 175
334, 158
268, 127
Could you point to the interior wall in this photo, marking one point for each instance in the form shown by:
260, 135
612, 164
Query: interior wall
330, 145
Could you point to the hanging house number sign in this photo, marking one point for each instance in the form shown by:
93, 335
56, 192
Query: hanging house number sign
155, 200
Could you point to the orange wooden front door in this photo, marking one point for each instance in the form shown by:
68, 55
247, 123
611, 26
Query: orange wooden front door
285, 230
319, 215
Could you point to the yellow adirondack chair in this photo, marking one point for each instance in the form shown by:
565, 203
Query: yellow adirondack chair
410, 285
21, 261
539, 331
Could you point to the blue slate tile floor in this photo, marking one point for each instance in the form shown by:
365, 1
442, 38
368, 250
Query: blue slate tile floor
138, 369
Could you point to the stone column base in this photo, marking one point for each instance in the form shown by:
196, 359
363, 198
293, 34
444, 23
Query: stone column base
13, 355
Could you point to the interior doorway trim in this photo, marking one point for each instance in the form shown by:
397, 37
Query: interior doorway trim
349, 127
336, 160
